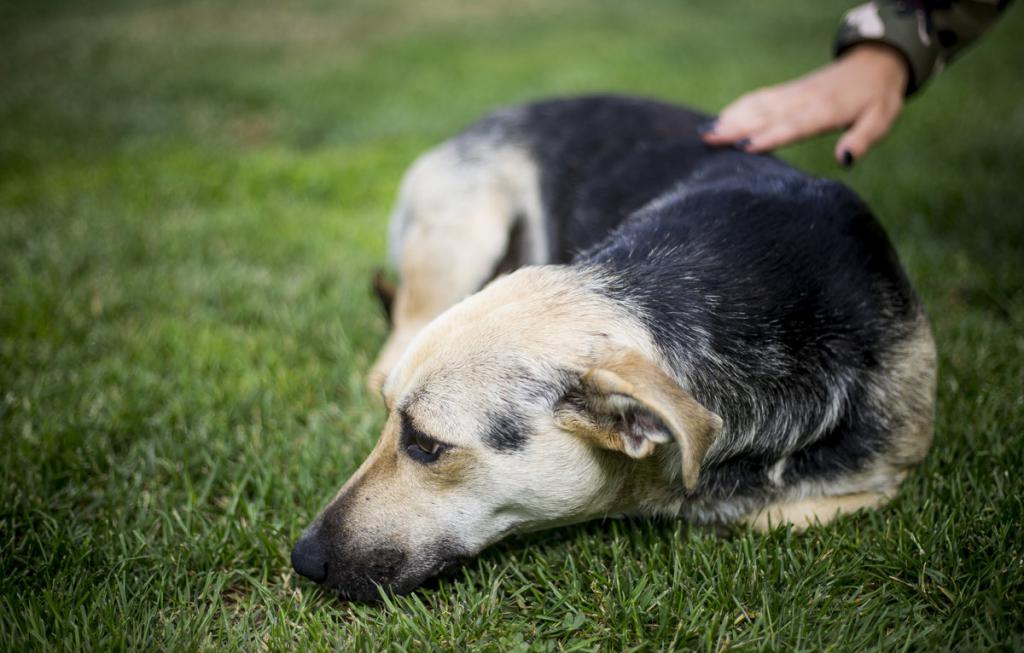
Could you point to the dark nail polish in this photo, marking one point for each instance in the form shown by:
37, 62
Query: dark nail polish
847, 159
706, 127
742, 144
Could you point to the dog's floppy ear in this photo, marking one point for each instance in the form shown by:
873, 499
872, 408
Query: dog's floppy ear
385, 290
627, 403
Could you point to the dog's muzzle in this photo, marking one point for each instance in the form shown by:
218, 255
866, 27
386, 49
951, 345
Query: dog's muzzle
353, 574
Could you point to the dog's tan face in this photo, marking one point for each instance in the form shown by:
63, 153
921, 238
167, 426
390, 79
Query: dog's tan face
493, 429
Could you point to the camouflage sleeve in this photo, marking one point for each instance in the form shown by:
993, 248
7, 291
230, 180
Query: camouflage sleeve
927, 33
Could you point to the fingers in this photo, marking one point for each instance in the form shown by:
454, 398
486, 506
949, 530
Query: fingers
863, 88
775, 126
776, 136
767, 120
741, 119
790, 130
868, 129
773, 117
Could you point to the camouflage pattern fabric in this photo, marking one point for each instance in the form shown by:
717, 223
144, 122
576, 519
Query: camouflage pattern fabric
927, 33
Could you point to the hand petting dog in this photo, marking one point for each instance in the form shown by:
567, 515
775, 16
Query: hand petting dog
885, 51
862, 92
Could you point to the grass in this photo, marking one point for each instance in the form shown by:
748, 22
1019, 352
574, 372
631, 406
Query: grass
192, 197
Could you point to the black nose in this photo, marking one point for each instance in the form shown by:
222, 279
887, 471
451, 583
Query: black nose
309, 557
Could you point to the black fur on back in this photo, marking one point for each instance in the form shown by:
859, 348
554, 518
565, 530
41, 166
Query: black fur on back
582, 144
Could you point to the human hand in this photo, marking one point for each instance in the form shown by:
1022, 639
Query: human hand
862, 91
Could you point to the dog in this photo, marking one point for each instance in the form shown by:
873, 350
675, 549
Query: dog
598, 315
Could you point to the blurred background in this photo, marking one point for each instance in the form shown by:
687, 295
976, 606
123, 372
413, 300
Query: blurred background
192, 198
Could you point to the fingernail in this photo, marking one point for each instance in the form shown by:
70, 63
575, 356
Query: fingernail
742, 144
847, 159
707, 127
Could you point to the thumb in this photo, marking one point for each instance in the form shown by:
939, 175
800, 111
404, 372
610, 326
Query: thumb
868, 129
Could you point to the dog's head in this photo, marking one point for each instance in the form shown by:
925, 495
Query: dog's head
524, 407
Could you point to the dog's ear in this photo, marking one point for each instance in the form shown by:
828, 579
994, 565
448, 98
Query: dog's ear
385, 290
629, 404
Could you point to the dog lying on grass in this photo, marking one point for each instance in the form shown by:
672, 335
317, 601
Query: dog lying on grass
599, 315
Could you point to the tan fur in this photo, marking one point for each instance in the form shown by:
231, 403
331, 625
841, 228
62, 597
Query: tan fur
629, 377
911, 376
433, 280
538, 310
446, 250
389, 492
804, 513
379, 465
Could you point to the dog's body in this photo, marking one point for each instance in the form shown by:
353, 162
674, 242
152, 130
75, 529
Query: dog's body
697, 333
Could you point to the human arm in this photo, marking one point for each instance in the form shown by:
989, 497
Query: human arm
886, 50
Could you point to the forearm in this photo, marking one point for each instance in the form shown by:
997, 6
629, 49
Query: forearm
927, 33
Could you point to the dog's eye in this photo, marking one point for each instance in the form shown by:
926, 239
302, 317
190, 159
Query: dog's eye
424, 449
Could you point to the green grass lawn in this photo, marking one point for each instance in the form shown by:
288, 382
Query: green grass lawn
192, 197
